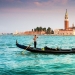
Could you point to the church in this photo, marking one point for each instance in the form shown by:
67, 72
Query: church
67, 30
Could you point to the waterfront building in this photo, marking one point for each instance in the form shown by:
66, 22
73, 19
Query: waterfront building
29, 33
67, 30
15, 32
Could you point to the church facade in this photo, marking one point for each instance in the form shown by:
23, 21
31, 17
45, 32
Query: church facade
67, 30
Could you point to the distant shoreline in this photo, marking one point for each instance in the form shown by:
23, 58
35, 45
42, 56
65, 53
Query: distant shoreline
43, 35
35, 34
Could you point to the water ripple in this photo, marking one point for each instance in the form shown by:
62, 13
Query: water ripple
15, 61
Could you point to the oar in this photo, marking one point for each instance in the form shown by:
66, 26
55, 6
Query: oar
27, 47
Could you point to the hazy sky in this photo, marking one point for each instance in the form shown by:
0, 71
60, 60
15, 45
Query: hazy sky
24, 15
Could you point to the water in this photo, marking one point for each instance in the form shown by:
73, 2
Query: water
13, 62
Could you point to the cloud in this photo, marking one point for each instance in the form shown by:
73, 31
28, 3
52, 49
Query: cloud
61, 1
35, 4
7, 0
50, 2
44, 3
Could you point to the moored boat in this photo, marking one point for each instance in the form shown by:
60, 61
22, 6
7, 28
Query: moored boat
45, 49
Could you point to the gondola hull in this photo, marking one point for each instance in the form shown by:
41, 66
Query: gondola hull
45, 50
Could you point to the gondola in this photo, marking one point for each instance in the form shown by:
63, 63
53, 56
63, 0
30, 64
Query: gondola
45, 49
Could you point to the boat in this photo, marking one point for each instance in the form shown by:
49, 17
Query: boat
45, 49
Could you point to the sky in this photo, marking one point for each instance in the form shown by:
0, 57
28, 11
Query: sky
25, 15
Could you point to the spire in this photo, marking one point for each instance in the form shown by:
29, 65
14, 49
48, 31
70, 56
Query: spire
66, 15
66, 10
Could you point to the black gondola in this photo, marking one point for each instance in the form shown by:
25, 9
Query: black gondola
45, 49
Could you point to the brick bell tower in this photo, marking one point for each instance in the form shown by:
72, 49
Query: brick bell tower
66, 22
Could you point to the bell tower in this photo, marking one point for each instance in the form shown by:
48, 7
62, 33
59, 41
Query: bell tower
66, 22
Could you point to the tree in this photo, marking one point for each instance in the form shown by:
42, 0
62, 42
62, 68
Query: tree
40, 29
37, 29
52, 32
32, 30
44, 29
48, 30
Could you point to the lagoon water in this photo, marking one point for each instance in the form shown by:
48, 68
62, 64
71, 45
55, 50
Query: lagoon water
16, 61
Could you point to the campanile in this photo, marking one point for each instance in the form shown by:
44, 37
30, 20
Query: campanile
66, 22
